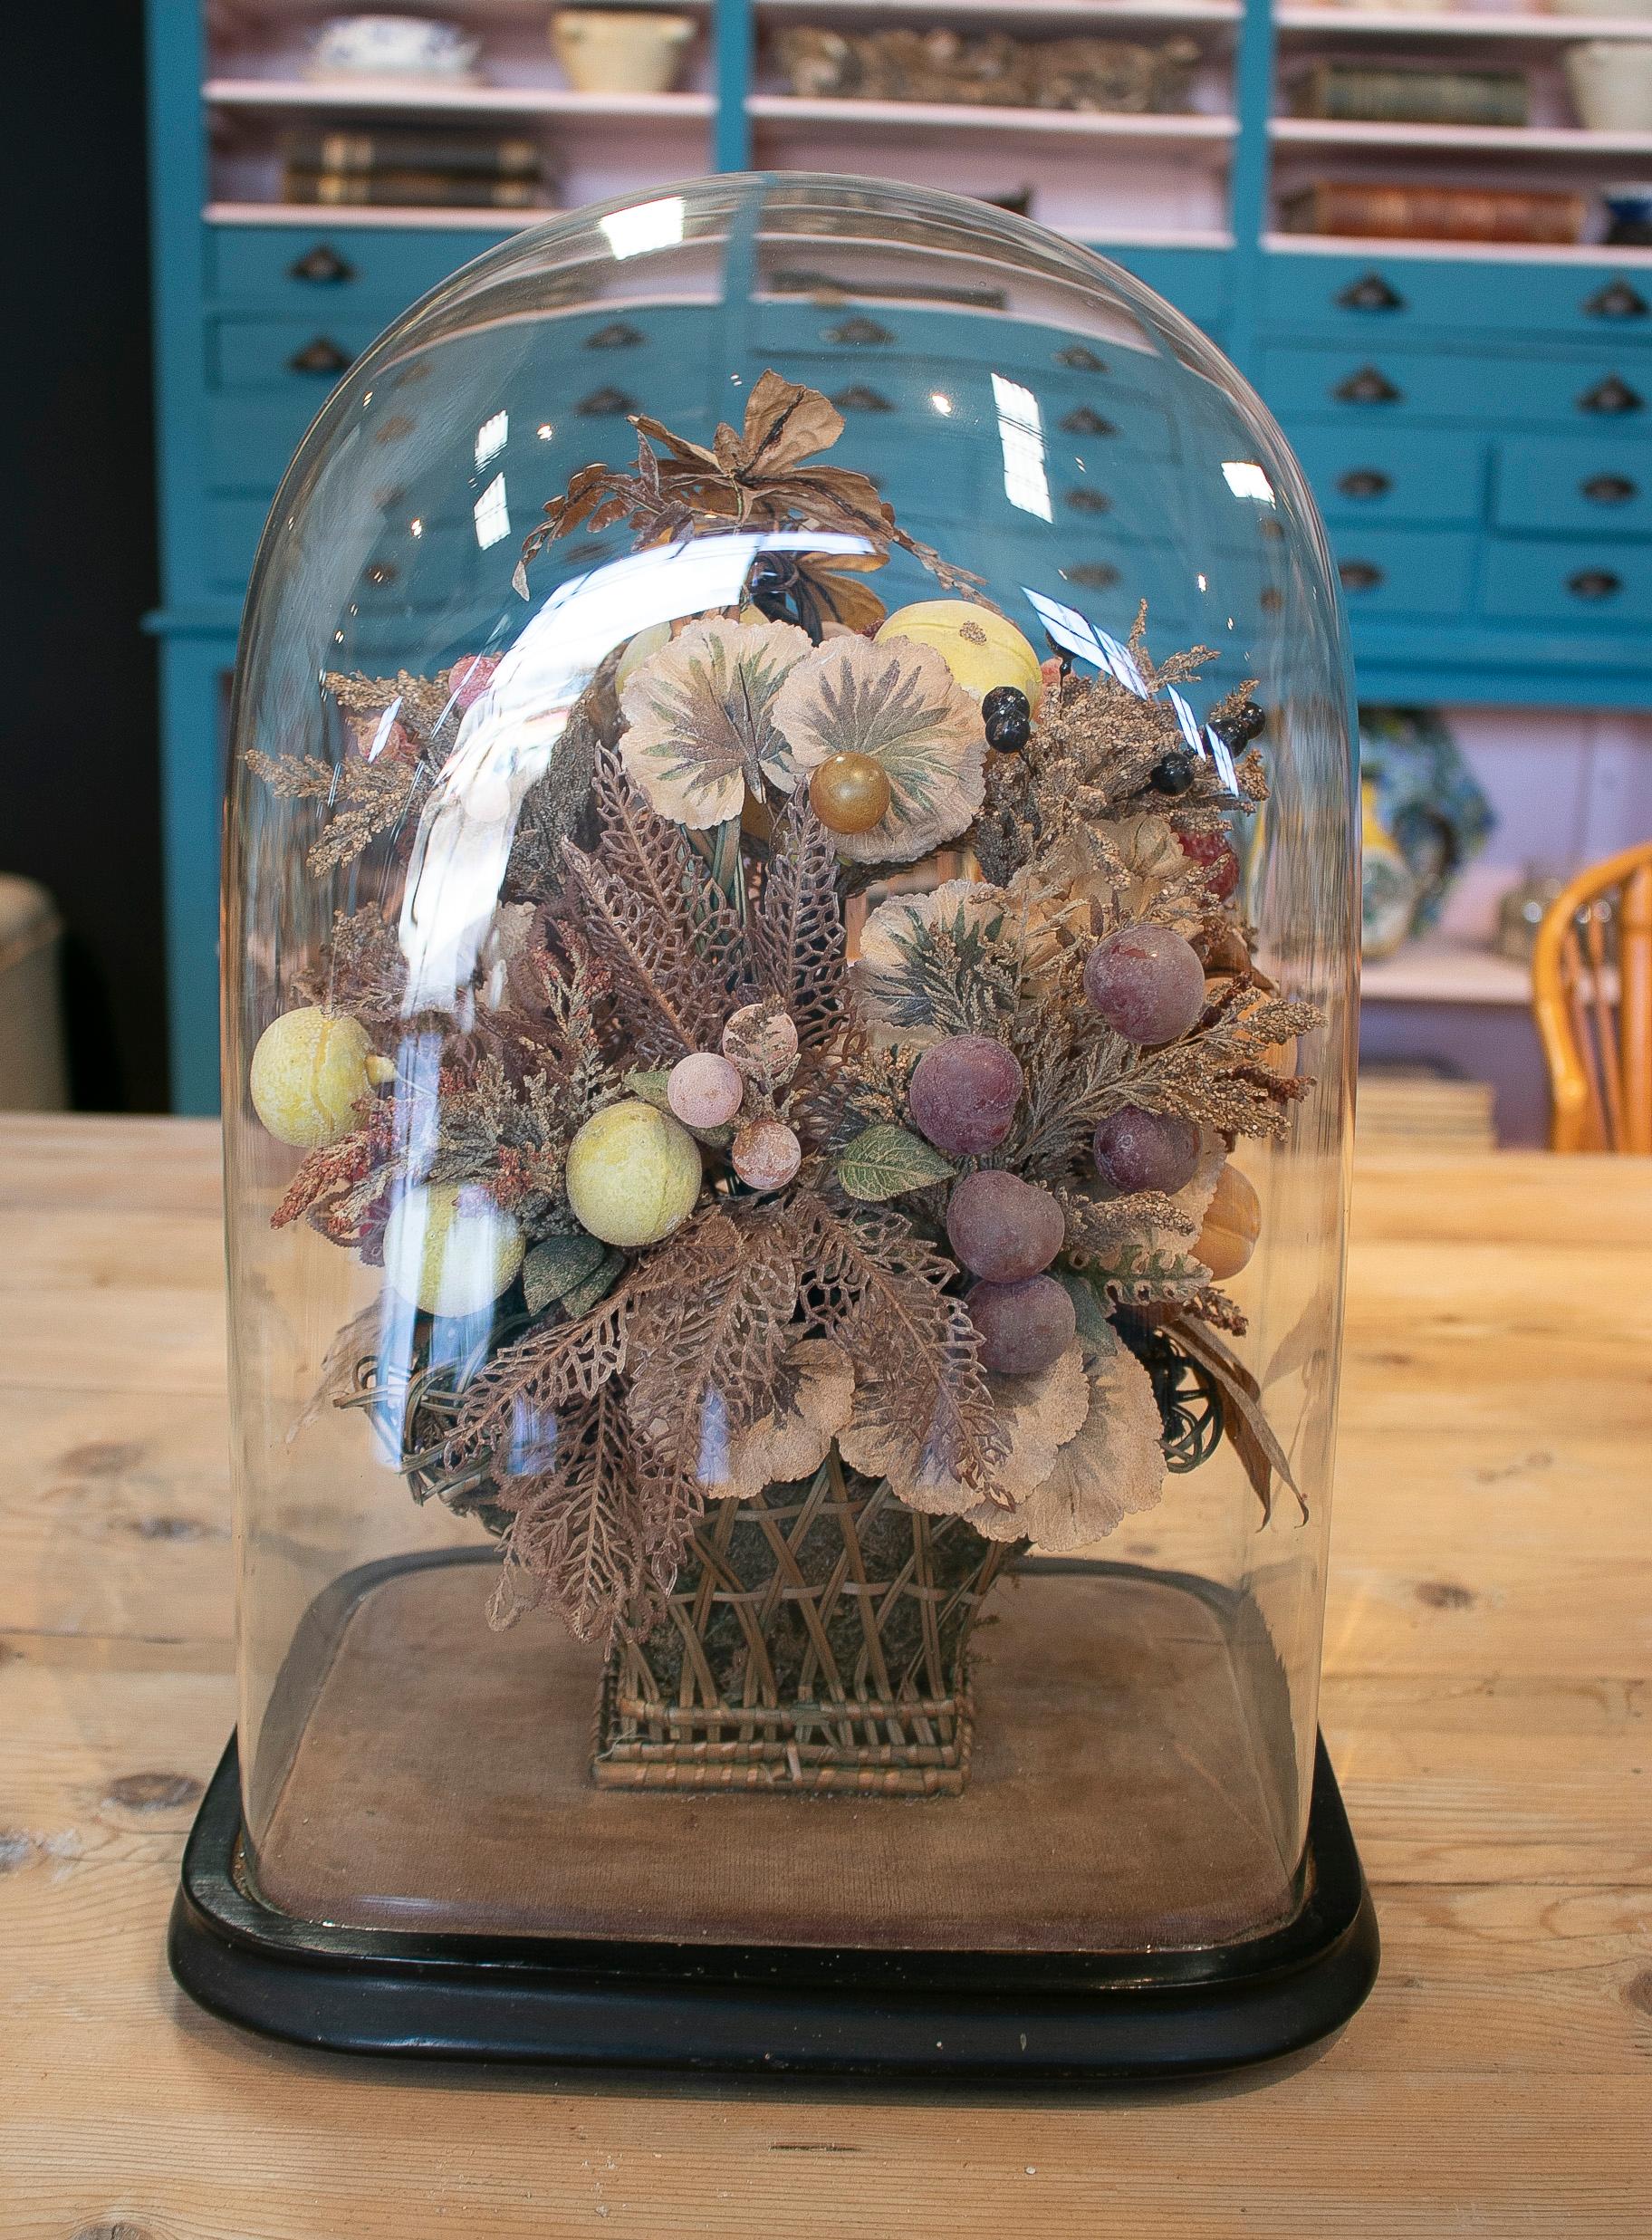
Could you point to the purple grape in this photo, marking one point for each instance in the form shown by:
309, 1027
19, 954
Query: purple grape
964, 1093
1138, 1150
1001, 1227
1146, 981
1025, 1327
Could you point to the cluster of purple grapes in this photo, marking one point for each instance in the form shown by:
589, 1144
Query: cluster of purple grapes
1148, 983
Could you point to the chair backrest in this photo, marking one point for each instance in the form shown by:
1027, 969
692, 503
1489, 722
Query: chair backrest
1595, 1016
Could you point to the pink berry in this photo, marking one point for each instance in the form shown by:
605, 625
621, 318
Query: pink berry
766, 1155
964, 1093
1001, 1227
705, 1090
468, 679
1139, 1151
1025, 1327
1214, 850
1146, 982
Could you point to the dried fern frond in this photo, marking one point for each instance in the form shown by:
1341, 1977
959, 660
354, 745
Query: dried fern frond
795, 928
361, 799
578, 1534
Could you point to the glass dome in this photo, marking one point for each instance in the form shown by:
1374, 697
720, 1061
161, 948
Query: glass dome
789, 950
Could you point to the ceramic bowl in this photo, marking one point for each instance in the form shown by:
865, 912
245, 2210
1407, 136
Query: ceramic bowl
392, 46
1611, 84
618, 51
1602, 7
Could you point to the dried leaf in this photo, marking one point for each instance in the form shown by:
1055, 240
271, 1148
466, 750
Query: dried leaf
1040, 1414
948, 962
884, 1162
579, 1533
795, 929
559, 1267
1248, 1430
1113, 1468
814, 1389
700, 717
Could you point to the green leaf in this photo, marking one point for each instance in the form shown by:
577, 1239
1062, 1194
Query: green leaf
559, 1266
1094, 1330
650, 1086
596, 1285
883, 1161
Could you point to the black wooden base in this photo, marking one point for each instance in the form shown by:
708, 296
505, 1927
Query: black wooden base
992, 2016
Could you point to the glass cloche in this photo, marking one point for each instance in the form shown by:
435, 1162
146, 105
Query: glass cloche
789, 967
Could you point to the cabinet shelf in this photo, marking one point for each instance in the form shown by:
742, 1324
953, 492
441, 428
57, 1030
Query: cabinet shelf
1186, 129
1483, 25
400, 96
1091, 15
1377, 247
1476, 139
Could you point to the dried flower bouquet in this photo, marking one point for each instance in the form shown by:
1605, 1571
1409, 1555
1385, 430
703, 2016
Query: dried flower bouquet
740, 1191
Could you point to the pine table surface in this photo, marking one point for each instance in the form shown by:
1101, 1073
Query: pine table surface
1487, 1701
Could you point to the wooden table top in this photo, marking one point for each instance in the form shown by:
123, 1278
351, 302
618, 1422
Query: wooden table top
1488, 1704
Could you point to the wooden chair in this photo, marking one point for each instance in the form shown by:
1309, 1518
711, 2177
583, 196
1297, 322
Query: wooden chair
1596, 1023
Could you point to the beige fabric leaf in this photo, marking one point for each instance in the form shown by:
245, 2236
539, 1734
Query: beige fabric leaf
700, 716
1039, 1415
786, 424
1114, 1467
899, 703
892, 991
815, 1386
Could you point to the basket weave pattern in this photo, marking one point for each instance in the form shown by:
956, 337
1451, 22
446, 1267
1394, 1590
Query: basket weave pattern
816, 1638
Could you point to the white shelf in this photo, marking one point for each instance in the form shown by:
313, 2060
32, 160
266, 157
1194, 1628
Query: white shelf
1457, 23
1497, 251
1095, 15
332, 217
1436, 971
1482, 138
404, 97
1185, 130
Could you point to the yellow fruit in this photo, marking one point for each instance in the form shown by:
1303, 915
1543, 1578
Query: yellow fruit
308, 1072
979, 647
449, 1249
633, 1174
1232, 1222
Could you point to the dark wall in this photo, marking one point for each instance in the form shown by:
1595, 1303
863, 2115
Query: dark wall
80, 808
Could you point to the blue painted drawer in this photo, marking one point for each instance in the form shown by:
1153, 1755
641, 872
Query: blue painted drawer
234, 526
1383, 297
1564, 585
1410, 572
1569, 390
304, 356
290, 268
1385, 474
1587, 485
1197, 281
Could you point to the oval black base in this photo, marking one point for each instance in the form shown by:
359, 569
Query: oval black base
997, 2016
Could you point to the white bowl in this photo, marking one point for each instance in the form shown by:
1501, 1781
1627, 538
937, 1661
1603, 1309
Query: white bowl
619, 50
392, 46
1642, 8
1611, 84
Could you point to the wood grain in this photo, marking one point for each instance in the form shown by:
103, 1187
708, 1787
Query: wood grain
1488, 1699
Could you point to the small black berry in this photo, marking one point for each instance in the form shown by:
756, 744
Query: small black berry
1007, 715
1172, 775
1237, 731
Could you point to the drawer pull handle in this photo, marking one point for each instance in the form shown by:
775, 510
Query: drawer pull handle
1365, 482
321, 356
616, 335
1085, 420
1612, 395
379, 573
1371, 292
1359, 576
860, 398
1367, 387
859, 333
1084, 500
605, 404
1594, 583
1092, 575
320, 267
1616, 300
1608, 489
1079, 358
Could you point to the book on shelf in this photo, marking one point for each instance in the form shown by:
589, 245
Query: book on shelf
1359, 94
409, 190
1392, 212
367, 150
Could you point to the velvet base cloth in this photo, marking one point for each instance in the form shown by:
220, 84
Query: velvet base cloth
440, 1781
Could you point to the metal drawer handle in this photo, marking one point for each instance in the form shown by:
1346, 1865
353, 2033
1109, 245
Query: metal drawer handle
1616, 300
605, 404
1084, 500
1365, 482
1079, 358
1594, 583
1092, 575
1370, 293
380, 572
320, 267
1085, 420
616, 335
1367, 387
1359, 576
859, 333
860, 398
1611, 395
1608, 489
321, 356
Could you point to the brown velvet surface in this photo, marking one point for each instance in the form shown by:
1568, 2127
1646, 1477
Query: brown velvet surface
441, 1780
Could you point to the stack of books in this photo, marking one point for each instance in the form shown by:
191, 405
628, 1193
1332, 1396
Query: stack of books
405, 168
1361, 93
1391, 212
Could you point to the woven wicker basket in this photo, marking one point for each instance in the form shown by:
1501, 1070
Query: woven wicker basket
816, 1638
